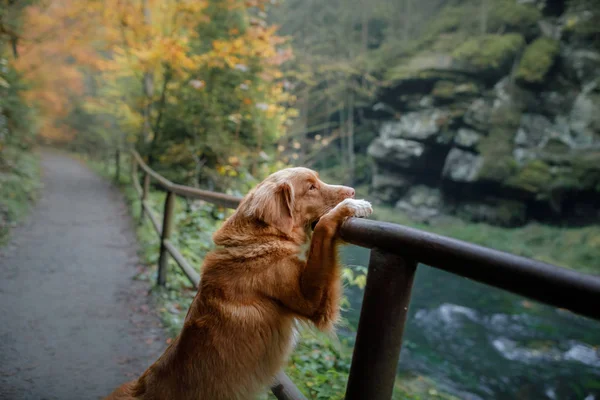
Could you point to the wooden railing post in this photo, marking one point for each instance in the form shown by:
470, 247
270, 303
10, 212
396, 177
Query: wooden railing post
134, 171
106, 159
118, 165
167, 226
381, 325
145, 190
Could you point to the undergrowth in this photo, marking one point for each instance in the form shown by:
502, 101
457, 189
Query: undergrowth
19, 186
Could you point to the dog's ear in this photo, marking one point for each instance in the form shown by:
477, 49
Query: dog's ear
274, 204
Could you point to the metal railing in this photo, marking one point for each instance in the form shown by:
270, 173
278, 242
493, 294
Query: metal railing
395, 253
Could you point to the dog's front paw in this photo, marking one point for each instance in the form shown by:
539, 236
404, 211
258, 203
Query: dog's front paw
356, 208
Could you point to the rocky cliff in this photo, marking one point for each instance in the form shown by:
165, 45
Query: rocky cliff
501, 127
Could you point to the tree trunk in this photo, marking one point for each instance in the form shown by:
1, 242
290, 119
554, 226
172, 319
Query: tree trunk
13, 44
148, 84
305, 122
407, 18
342, 128
483, 16
350, 139
161, 109
365, 25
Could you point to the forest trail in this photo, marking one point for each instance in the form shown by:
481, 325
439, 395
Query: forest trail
73, 322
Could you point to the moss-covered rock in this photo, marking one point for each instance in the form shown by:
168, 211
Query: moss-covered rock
495, 211
425, 65
521, 93
537, 60
445, 90
489, 55
580, 22
512, 15
582, 172
534, 177
497, 147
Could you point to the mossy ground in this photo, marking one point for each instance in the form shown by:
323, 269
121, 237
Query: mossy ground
19, 186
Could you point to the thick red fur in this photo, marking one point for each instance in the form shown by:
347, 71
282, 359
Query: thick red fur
255, 285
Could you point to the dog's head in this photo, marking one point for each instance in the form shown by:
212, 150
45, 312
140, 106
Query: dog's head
293, 197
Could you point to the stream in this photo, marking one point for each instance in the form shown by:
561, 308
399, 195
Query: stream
478, 342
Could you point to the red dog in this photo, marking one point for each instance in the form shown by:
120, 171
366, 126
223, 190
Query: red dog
239, 330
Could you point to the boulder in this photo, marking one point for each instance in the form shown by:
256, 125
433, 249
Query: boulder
537, 131
467, 138
522, 155
420, 125
418, 66
550, 29
396, 152
508, 93
537, 60
506, 123
584, 118
488, 56
421, 203
389, 187
478, 114
556, 102
462, 166
445, 91
494, 211
533, 131
580, 65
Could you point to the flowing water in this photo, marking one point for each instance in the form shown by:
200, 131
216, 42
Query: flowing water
479, 342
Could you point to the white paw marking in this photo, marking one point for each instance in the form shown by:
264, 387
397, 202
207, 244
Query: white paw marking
361, 208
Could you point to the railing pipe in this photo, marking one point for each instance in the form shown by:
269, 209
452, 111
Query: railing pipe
380, 327
559, 287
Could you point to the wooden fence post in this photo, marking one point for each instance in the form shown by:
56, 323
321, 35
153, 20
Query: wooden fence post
118, 165
145, 190
380, 327
167, 226
106, 160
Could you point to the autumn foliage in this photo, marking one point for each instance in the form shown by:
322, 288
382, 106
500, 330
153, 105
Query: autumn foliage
189, 83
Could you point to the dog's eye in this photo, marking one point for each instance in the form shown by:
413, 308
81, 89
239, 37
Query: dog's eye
312, 187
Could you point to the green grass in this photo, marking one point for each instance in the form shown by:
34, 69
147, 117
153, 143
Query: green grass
19, 186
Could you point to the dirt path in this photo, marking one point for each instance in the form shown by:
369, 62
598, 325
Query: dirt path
73, 323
